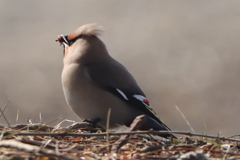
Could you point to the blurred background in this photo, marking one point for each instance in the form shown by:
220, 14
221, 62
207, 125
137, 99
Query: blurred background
182, 53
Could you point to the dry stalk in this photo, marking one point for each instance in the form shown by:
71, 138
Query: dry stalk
185, 119
2, 112
107, 128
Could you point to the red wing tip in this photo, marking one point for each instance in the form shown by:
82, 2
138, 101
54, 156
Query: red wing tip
146, 101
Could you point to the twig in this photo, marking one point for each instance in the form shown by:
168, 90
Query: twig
58, 124
107, 128
185, 119
118, 133
2, 111
37, 143
59, 117
46, 144
206, 130
2, 114
40, 117
3, 131
17, 116
57, 148
108, 119
237, 135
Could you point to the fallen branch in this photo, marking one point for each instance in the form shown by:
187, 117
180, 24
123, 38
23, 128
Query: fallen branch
31, 148
136, 124
115, 134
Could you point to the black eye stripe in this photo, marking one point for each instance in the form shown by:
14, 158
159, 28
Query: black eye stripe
70, 42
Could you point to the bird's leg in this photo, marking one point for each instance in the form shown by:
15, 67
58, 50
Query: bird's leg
93, 122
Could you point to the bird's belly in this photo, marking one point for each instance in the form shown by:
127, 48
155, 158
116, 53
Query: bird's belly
89, 101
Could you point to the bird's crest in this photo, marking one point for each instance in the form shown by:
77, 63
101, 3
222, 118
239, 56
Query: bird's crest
91, 29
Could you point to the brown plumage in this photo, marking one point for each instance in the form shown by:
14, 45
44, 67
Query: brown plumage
93, 82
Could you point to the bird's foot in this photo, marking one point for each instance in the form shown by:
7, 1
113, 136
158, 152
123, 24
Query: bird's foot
93, 122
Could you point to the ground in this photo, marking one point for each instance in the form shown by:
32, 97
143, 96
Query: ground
82, 141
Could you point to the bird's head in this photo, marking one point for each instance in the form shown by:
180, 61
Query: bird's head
83, 41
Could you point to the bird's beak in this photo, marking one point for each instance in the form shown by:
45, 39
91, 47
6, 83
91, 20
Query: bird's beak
62, 39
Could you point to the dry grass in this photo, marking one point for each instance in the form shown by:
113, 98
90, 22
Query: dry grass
83, 141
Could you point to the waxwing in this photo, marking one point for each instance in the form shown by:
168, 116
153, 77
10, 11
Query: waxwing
93, 82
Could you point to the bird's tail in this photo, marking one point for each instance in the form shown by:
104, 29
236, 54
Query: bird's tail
151, 123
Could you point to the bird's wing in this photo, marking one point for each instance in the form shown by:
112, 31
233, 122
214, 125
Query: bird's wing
114, 77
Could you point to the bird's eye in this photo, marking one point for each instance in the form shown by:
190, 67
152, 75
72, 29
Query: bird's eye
70, 42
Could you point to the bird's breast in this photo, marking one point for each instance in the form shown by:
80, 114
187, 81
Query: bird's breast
77, 88
89, 101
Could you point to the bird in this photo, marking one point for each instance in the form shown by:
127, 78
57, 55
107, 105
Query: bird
93, 82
